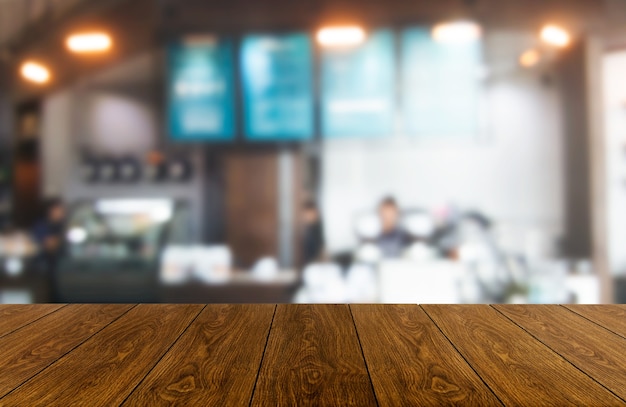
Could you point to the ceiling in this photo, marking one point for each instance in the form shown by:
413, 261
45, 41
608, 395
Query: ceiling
36, 28
17, 16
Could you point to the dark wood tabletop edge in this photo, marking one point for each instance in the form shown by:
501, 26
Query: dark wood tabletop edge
42, 370
461, 354
367, 369
139, 383
564, 357
573, 310
34, 320
258, 372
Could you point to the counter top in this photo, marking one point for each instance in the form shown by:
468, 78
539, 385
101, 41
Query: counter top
362, 355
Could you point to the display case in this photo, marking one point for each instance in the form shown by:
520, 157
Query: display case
113, 248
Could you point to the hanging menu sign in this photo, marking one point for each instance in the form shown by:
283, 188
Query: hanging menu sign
441, 85
277, 82
358, 88
201, 104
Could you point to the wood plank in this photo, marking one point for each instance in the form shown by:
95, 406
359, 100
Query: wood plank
215, 362
28, 350
517, 367
612, 317
13, 317
591, 348
313, 358
107, 367
411, 363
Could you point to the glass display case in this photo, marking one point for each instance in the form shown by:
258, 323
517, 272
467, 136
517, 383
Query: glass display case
113, 248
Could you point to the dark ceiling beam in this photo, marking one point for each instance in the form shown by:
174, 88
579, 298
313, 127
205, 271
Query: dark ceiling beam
514, 14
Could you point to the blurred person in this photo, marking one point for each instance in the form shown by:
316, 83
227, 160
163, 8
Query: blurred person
393, 240
48, 232
48, 235
313, 234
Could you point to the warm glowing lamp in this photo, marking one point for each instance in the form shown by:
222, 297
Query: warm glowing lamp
555, 35
530, 58
89, 42
35, 72
456, 32
340, 36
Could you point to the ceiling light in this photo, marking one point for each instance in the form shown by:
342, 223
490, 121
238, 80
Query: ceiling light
89, 42
555, 35
530, 58
35, 72
457, 32
340, 36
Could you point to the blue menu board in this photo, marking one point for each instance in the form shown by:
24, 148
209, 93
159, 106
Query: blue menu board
277, 87
201, 96
358, 88
441, 85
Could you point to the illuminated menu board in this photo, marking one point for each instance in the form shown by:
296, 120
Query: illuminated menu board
441, 85
277, 82
201, 96
358, 88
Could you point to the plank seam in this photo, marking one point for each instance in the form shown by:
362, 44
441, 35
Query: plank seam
358, 337
33, 321
591, 320
267, 339
557, 353
462, 355
163, 355
69, 351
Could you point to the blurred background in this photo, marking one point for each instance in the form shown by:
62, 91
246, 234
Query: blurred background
450, 151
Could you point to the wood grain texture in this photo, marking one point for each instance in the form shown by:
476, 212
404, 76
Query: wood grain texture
313, 358
107, 367
600, 354
13, 317
411, 363
215, 362
612, 317
518, 368
28, 350
312, 355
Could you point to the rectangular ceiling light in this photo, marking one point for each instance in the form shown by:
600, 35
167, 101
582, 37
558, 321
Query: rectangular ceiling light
340, 36
89, 42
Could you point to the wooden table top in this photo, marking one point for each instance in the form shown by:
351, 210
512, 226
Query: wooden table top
321, 355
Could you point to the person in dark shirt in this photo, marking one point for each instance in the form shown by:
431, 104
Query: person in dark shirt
393, 240
313, 234
48, 234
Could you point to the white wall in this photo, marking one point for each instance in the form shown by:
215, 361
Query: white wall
95, 114
512, 171
118, 124
56, 143
614, 88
